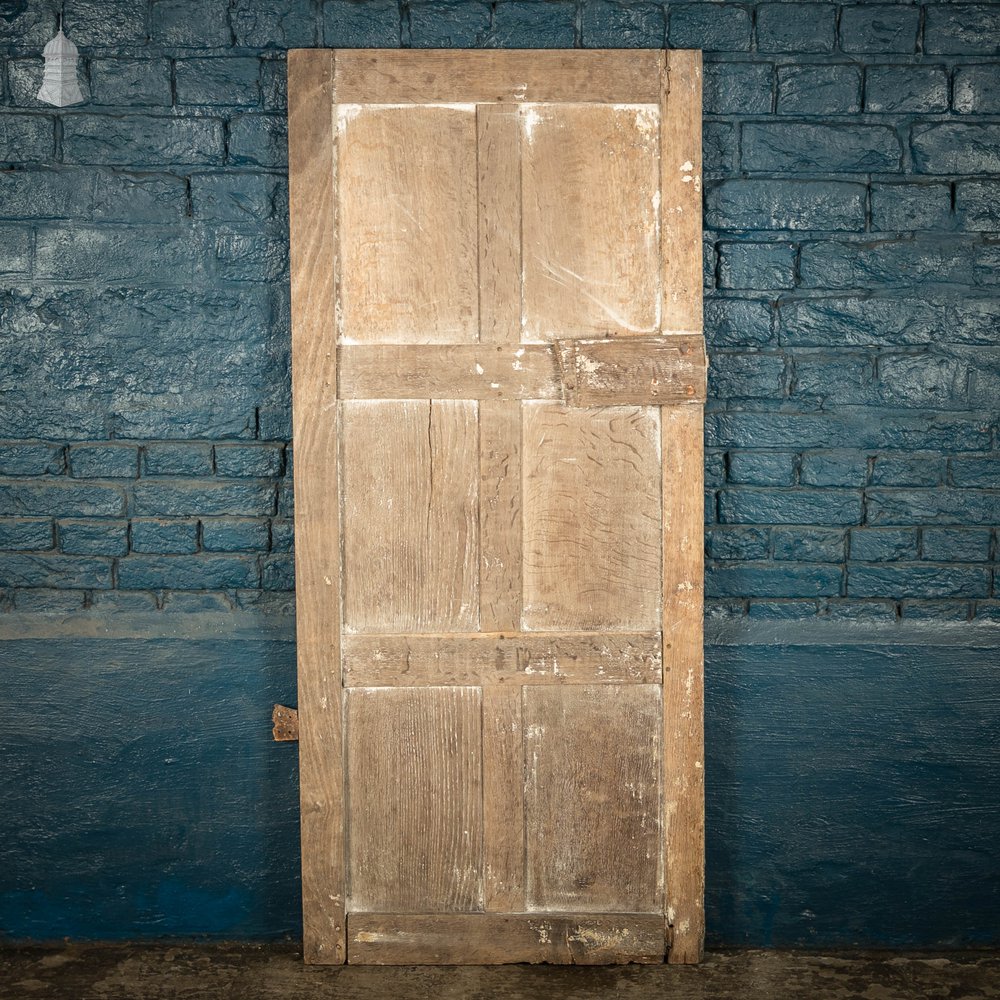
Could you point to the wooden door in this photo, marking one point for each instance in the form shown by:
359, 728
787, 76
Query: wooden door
498, 377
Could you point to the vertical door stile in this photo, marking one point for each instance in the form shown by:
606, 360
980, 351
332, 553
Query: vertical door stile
499, 201
683, 518
313, 222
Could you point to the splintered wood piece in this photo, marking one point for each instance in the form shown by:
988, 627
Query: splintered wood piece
397, 76
493, 939
416, 815
481, 658
312, 158
591, 518
591, 221
408, 225
592, 798
410, 512
285, 723
503, 800
683, 681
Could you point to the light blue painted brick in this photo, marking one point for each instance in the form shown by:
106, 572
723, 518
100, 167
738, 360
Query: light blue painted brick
883, 544
93, 538
168, 536
26, 533
955, 544
104, 461
48, 600
796, 27
908, 470
975, 470
819, 90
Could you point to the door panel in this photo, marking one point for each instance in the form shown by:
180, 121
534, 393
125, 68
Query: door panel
498, 385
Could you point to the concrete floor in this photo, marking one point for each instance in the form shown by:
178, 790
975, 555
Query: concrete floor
268, 972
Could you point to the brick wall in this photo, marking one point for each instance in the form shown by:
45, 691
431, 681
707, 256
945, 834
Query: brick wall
852, 161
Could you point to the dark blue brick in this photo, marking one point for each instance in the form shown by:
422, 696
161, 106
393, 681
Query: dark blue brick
977, 205
448, 23
746, 376
187, 572
862, 427
15, 250
169, 458
194, 602
273, 24
795, 506
177, 25
130, 82
737, 543
715, 468
139, 140
908, 470
796, 27
39, 193
93, 538
988, 611
252, 256
950, 611
834, 468
226, 534
282, 535
956, 148
922, 380
60, 498
782, 610
859, 322
867, 610
104, 461
883, 544
977, 89
361, 24
261, 140
253, 460
31, 24
720, 145
26, 533
609, 24
28, 458
121, 196
274, 85
712, 27
174, 499
26, 138
61, 572
104, 23
47, 600
973, 320
955, 544
756, 265
737, 88
737, 323
818, 147
906, 89
286, 500
915, 580
531, 25
976, 470
24, 77
121, 601
812, 544
941, 506
762, 468
169, 536
224, 81
819, 90
235, 197
879, 28
964, 29
907, 207
785, 204
278, 573
772, 580
829, 380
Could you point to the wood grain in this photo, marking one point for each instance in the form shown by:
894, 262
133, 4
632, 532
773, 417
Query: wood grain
680, 190
683, 680
592, 798
415, 776
408, 225
496, 939
312, 179
591, 518
482, 658
591, 221
394, 76
411, 520
503, 800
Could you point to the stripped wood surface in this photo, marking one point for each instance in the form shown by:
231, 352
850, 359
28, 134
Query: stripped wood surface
592, 798
591, 518
490, 939
481, 658
312, 159
398, 76
414, 771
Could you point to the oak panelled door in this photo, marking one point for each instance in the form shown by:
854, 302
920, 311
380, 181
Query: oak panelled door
498, 377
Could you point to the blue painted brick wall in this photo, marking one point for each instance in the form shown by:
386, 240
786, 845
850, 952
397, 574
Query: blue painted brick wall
851, 268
